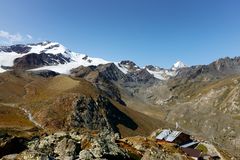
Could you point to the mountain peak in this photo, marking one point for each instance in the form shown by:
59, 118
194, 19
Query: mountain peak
50, 55
127, 66
178, 65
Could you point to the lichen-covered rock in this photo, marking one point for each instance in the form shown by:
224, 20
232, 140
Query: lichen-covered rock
73, 145
9, 157
33, 155
59, 145
156, 154
105, 147
85, 154
102, 146
67, 149
148, 149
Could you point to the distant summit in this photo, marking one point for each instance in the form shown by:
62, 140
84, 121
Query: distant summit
178, 65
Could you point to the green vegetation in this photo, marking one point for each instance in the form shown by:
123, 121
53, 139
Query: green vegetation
202, 148
237, 117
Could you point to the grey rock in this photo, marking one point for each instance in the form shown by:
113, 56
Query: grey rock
33, 155
67, 149
99, 115
85, 155
215, 70
44, 73
19, 48
156, 154
34, 60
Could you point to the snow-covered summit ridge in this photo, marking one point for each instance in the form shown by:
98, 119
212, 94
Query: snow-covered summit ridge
73, 60
160, 73
49, 47
9, 53
76, 59
178, 65
163, 74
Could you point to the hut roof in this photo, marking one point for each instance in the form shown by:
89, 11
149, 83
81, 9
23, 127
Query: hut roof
172, 136
192, 152
163, 134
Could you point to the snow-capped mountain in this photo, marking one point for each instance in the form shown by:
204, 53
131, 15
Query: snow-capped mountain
44, 53
127, 66
161, 73
55, 57
178, 65
44, 56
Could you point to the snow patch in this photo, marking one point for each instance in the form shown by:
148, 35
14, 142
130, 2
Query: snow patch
49, 47
7, 58
2, 70
157, 74
77, 60
163, 74
178, 65
121, 68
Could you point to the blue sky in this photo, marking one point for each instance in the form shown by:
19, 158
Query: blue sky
157, 32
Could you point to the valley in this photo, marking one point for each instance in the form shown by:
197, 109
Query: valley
49, 92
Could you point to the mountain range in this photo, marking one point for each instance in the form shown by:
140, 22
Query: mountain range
54, 56
49, 93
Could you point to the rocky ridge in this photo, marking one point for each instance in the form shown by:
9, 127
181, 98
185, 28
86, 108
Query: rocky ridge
203, 100
55, 57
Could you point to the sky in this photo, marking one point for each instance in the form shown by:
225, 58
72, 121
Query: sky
157, 32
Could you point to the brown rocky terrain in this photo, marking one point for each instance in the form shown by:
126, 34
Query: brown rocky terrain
203, 102
106, 110
34, 106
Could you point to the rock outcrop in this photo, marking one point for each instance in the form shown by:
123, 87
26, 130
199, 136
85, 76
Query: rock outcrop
19, 48
34, 60
72, 145
218, 69
87, 145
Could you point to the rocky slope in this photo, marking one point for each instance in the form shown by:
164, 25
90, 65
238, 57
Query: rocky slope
217, 69
202, 100
89, 108
93, 145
